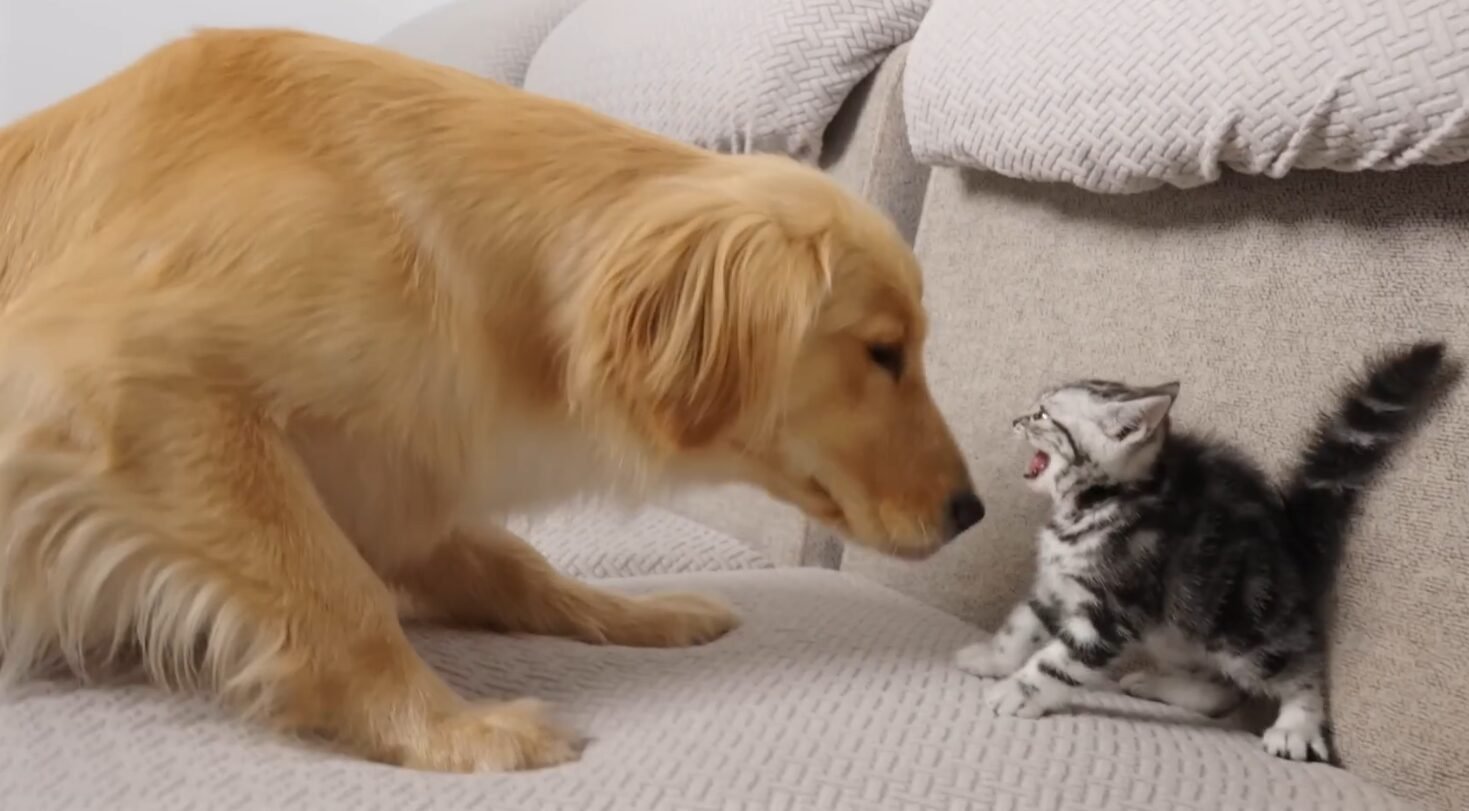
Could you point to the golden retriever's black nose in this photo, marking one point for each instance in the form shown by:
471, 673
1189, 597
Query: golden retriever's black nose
965, 510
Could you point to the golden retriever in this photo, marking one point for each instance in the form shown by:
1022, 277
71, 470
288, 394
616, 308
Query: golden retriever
289, 322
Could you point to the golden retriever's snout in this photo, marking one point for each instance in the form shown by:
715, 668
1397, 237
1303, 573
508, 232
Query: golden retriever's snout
920, 507
965, 510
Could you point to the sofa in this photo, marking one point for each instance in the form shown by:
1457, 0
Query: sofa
1257, 291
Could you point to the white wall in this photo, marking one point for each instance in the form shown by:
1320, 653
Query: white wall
50, 49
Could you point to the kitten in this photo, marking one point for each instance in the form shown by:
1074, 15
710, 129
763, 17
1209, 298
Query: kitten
1182, 545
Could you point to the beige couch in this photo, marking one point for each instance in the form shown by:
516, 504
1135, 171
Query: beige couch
838, 692
1259, 295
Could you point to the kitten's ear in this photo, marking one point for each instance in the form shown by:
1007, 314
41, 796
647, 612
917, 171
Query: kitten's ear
1138, 418
1170, 389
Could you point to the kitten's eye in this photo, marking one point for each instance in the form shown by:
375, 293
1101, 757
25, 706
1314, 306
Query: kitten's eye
889, 357
1040, 414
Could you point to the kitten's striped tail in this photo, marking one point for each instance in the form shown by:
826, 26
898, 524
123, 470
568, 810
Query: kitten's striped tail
1350, 446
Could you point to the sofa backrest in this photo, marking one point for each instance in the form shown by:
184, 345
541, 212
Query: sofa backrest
1260, 296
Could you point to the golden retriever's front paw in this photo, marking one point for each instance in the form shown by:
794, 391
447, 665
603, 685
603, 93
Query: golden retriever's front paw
501, 737
673, 620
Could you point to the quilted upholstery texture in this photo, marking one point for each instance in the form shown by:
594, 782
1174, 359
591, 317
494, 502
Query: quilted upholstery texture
1130, 95
604, 541
834, 694
750, 76
491, 38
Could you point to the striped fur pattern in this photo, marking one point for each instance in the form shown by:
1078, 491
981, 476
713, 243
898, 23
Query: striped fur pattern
1183, 546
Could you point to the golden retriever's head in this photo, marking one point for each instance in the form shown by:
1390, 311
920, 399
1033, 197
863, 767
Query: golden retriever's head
753, 319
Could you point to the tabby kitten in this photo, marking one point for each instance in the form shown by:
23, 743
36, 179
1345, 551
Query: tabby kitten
1182, 545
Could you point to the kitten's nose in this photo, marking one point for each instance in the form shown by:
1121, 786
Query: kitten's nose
965, 510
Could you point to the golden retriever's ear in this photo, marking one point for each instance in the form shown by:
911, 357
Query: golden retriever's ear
691, 322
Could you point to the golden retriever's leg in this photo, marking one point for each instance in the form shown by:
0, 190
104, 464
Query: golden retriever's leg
201, 542
493, 579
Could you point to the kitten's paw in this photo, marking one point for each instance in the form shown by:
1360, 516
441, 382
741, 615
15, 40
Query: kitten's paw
1014, 698
983, 659
1303, 741
1140, 684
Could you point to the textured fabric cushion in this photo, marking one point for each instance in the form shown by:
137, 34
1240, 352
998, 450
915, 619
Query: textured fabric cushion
750, 76
491, 38
1258, 295
1129, 95
774, 529
834, 694
603, 541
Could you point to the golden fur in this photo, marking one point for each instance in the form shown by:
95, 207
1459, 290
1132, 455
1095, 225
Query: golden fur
287, 323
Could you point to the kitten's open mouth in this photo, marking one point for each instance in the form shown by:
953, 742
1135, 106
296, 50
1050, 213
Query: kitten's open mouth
1038, 464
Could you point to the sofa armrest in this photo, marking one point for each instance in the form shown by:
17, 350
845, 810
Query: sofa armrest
866, 147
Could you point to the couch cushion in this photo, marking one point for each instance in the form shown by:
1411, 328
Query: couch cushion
1128, 95
491, 38
775, 530
834, 694
605, 541
751, 76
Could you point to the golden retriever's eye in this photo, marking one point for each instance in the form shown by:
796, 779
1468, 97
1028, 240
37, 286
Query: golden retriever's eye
1040, 414
889, 357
